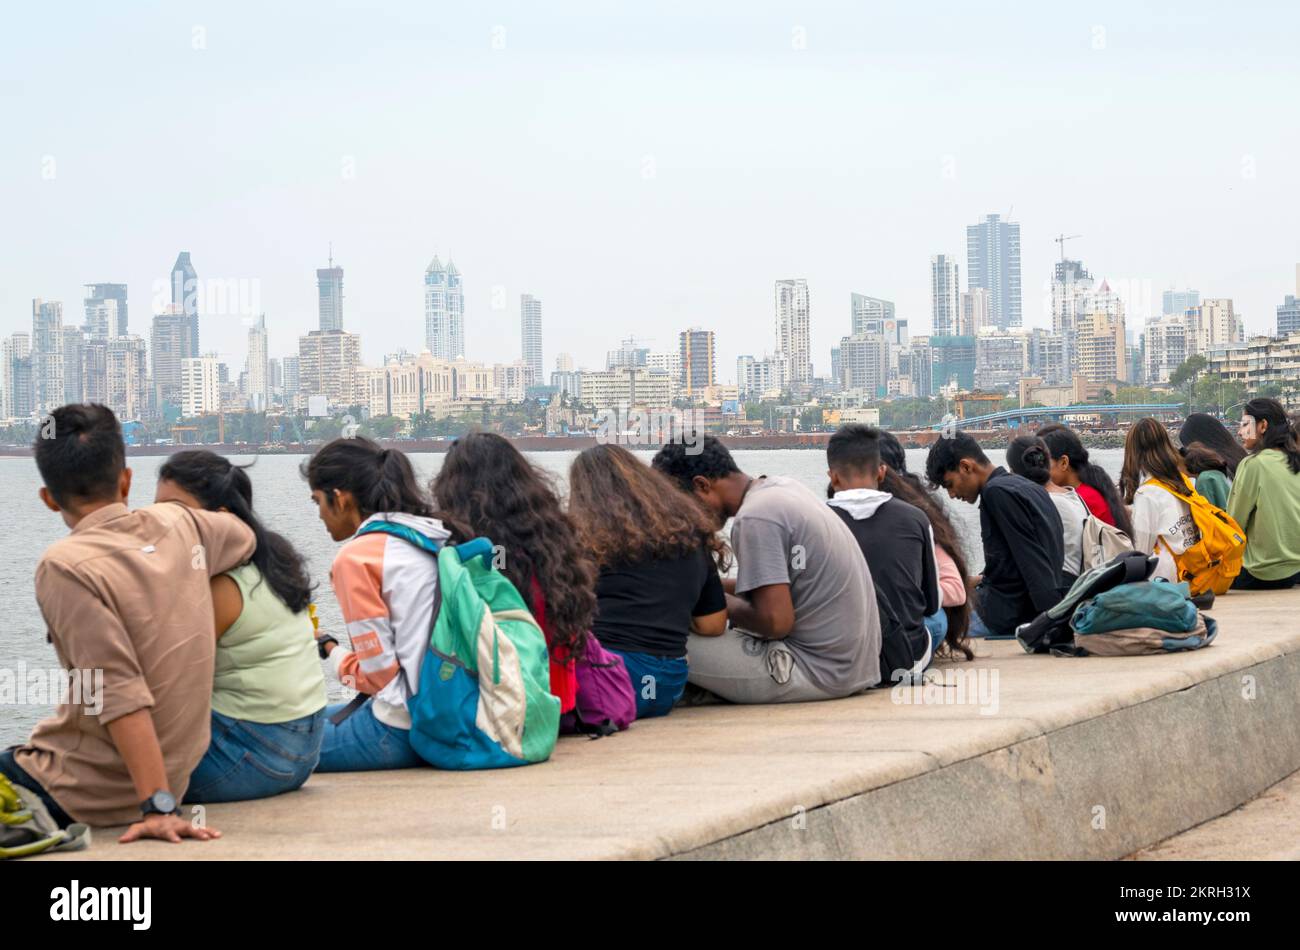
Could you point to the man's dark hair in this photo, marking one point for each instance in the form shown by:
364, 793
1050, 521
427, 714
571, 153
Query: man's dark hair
947, 453
854, 448
712, 461
80, 453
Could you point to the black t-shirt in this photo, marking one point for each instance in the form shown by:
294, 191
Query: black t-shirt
647, 607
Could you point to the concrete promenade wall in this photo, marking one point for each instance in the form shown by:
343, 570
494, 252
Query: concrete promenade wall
1082, 758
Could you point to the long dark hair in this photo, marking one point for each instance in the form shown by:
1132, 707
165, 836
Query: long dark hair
1149, 450
217, 484
902, 484
379, 479
1280, 434
1210, 432
1199, 458
626, 512
1062, 440
488, 486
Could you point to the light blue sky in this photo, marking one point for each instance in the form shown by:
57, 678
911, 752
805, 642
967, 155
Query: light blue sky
1166, 134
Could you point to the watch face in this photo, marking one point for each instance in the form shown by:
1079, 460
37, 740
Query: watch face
164, 801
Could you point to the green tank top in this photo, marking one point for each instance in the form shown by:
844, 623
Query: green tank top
267, 666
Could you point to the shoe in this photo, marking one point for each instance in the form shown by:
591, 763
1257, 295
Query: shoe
1204, 601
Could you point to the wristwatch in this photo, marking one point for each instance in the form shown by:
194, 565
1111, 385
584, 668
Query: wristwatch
323, 639
159, 803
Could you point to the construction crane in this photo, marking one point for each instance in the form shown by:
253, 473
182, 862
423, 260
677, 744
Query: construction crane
1061, 239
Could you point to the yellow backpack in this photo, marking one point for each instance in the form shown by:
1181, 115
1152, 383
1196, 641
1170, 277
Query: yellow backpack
1213, 562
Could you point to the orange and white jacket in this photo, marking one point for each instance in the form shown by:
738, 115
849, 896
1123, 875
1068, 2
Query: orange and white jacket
385, 588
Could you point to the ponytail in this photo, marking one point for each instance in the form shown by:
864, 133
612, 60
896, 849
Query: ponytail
381, 480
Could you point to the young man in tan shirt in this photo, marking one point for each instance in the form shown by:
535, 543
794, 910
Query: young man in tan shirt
126, 593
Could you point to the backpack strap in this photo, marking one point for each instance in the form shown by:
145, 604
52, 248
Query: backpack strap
424, 543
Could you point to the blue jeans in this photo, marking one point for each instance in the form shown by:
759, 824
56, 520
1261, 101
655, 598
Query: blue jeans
937, 626
361, 743
978, 629
658, 681
247, 760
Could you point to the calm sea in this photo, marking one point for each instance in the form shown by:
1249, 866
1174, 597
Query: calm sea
282, 498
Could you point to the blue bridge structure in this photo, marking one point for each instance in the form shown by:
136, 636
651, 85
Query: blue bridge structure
1016, 417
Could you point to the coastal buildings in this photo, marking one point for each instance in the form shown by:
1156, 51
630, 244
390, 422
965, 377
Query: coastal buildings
106, 310
993, 265
530, 334
698, 366
945, 295
200, 391
327, 366
444, 310
47, 355
792, 330
329, 292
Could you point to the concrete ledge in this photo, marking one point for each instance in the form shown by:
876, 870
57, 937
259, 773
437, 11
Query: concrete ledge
1158, 744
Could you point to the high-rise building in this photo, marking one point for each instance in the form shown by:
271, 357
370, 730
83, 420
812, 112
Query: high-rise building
16, 377
444, 311
993, 264
47, 354
1048, 357
185, 299
289, 366
169, 344
792, 330
869, 314
94, 370
697, 361
1001, 358
73, 385
106, 311
327, 366
329, 287
917, 364
1288, 312
953, 363
1178, 302
200, 386
975, 312
1166, 347
864, 363
945, 296
564, 363
1070, 284
1102, 345
258, 384
664, 361
530, 334
1212, 323
631, 386
629, 354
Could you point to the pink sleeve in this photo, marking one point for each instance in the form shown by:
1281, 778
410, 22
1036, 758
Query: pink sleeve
952, 586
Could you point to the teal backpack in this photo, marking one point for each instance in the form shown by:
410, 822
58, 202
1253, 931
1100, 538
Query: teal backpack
484, 697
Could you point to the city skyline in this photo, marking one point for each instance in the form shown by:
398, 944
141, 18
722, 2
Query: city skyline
650, 165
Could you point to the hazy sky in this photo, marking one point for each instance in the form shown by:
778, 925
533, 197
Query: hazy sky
640, 171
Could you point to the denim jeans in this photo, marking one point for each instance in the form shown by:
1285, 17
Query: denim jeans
361, 743
247, 760
937, 626
979, 630
657, 681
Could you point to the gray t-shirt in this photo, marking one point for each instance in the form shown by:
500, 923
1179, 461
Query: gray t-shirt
784, 534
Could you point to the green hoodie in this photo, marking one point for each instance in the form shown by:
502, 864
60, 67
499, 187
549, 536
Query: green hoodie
1265, 501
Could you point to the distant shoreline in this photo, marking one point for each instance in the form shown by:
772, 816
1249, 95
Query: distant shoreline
913, 439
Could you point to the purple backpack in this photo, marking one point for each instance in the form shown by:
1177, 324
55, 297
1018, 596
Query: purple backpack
606, 702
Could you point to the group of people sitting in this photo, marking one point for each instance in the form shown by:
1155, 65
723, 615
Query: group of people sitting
193, 597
